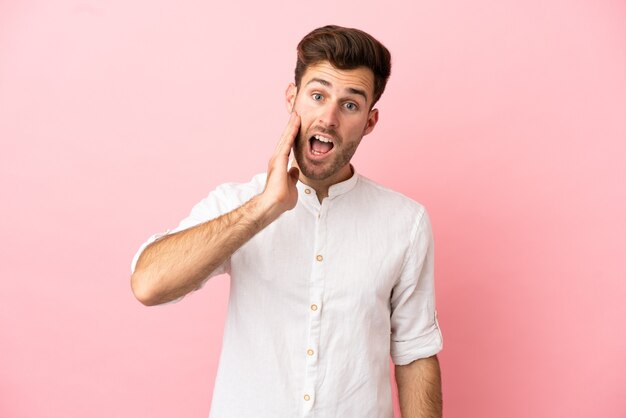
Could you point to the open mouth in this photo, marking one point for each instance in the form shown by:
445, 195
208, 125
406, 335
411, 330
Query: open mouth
320, 145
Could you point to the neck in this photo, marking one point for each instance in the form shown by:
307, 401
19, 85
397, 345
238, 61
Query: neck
321, 186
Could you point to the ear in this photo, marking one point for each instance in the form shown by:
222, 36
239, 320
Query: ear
290, 97
372, 120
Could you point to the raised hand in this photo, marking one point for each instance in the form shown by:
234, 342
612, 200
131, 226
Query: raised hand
280, 188
160, 275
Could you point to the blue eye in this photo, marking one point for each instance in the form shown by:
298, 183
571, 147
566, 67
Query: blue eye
317, 97
350, 106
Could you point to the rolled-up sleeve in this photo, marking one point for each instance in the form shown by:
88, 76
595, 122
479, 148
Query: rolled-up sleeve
415, 331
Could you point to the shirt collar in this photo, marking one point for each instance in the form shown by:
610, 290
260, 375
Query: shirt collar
334, 190
344, 186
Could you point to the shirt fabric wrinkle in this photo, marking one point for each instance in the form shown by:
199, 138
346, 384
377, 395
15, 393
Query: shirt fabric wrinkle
350, 278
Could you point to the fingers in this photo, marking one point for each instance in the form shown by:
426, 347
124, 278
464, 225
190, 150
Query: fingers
280, 187
289, 135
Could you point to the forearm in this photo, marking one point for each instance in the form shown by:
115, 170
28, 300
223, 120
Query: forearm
419, 388
175, 265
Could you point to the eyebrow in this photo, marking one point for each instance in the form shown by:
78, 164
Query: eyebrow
326, 83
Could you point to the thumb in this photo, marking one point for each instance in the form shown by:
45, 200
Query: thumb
294, 173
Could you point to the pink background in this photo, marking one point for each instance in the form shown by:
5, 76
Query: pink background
507, 119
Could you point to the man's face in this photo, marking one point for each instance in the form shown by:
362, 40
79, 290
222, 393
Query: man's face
334, 108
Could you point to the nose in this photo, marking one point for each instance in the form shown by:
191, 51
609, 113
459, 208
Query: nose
329, 116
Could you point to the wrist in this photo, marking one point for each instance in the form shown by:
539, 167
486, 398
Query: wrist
267, 207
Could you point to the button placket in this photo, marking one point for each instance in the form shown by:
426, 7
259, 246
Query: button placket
316, 292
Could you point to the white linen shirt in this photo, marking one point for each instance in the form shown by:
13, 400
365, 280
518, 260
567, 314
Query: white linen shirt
320, 299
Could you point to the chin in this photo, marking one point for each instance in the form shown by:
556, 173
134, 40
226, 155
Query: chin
309, 171
312, 171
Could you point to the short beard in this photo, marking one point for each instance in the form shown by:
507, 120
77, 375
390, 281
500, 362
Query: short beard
340, 159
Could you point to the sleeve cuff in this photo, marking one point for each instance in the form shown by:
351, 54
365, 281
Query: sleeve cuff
405, 352
150, 240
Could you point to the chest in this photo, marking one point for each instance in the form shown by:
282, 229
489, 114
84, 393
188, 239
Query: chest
353, 258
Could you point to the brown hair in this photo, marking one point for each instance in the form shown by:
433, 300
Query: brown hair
346, 49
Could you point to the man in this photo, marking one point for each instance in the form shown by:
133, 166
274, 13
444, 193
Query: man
330, 272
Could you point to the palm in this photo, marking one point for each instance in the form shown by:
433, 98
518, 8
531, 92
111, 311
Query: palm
281, 183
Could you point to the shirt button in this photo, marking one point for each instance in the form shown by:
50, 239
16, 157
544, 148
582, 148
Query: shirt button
307, 191
314, 307
307, 398
310, 352
319, 258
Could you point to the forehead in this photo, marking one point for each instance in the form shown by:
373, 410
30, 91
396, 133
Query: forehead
360, 78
